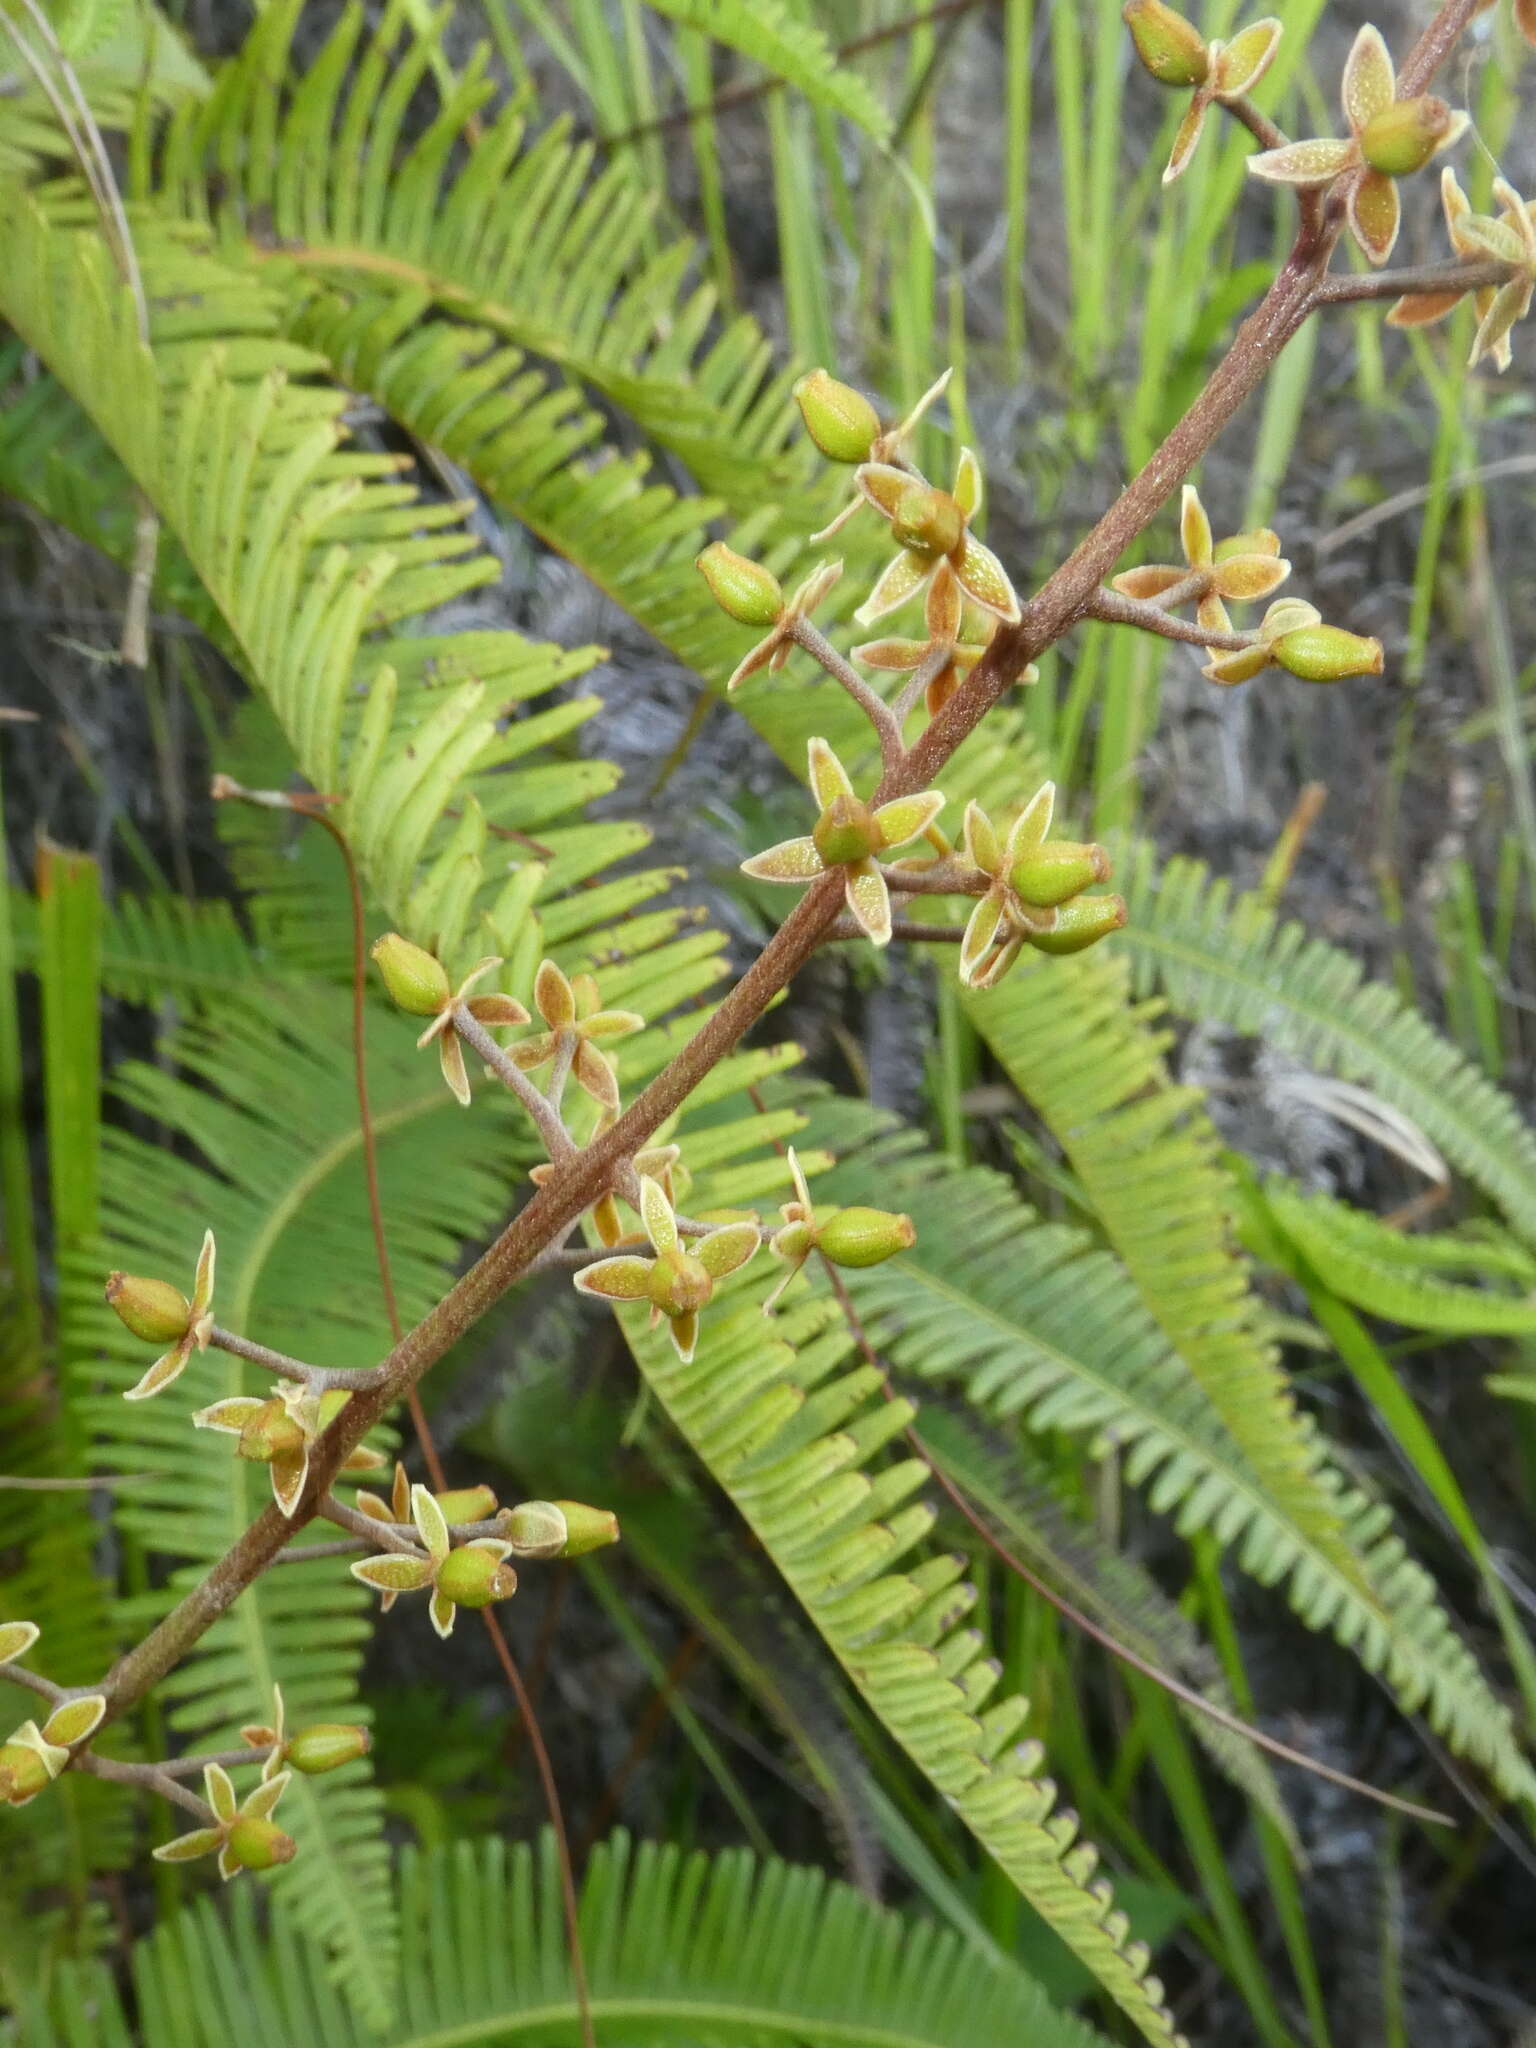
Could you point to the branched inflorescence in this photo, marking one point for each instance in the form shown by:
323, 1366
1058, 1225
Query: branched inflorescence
1018, 884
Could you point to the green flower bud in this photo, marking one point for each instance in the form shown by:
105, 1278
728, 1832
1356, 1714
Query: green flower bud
841, 421
414, 979
678, 1284
1403, 137
467, 1504
259, 1844
1170, 47
928, 520
471, 1577
1326, 654
326, 1747
863, 1237
152, 1309
1060, 869
23, 1773
746, 590
537, 1528
1081, 923
846, 831
586, 1528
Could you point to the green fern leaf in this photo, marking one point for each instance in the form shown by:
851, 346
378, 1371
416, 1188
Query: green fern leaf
792, 49
680, 1949
1365, 1262
1228, 958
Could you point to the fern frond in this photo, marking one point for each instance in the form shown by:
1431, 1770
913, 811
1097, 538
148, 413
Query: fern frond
1361, 1259
153, 947
789, 47
1227, 958
796, 1440
302, 547
1033, 1323
680, 1949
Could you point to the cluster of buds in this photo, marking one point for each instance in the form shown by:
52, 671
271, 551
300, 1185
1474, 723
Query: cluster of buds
1510, 238
472, 1574
1241, 569
1034, 891
533, 1529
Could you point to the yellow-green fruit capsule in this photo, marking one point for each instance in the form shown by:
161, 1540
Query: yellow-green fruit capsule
474, 1578
153, 1309
537, 1528
260, 1844
1080, 923
467, 1504
23, 1774
863, 1237
745, 590
587, 1528
928, 520
678, 1284
846, 831
1403, 137
415, 980
1171, 48
1058, 870
841, 421
270, 1430
1326, 654
326, 1747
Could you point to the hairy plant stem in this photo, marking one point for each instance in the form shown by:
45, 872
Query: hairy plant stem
580, 1178
1350, 289
1152, 617
880, 715
317, 1376
155, 1777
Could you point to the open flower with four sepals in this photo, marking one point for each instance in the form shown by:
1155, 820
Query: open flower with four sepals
933, 527
575, 1017
473, 1574
419, 983
1176, 54
847, 1237
162, 1314
1292, 636
281, 1429
1389, 138
461, 1504
1246, 566
1477, 237
944, 616
750, 594
846, 428
681, 1278
244, 1832
848, 835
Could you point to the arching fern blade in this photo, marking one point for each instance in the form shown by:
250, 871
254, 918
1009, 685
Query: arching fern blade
772, 1422
1227, 958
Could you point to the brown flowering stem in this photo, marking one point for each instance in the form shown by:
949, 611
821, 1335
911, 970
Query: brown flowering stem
558, 1142
317, 1376
1156, 618
943, 878
377, 1535
1351, 288
33, 1681
1259, 126
880, 715
581, 1177
910, 929
148, 1777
